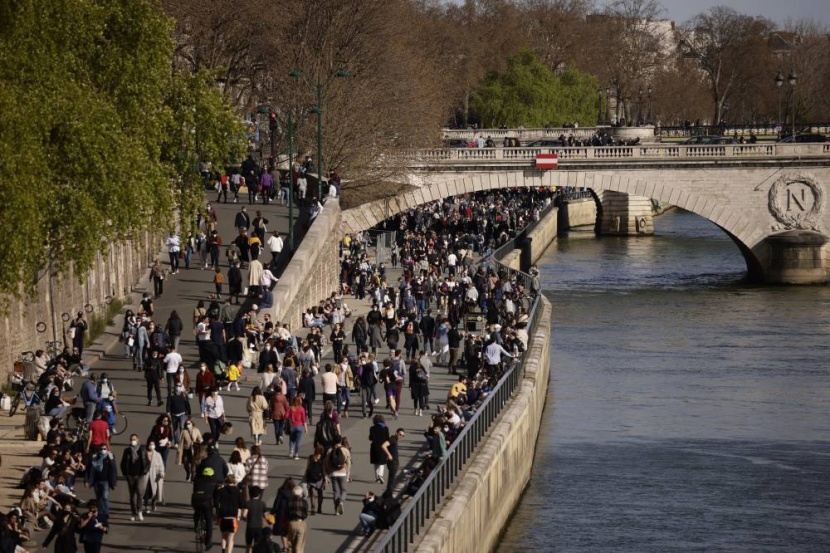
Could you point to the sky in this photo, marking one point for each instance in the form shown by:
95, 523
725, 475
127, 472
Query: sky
779, 11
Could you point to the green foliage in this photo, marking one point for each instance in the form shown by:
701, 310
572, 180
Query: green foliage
89, 107
529, 94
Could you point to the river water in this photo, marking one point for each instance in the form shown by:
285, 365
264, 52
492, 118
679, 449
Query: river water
687, 410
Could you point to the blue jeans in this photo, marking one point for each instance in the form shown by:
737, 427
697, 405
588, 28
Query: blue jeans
178, 424
279, 429
367, 522
343, 401
295, 439
102, 494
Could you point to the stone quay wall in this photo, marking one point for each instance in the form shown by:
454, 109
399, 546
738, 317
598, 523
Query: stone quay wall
313, 273
112, 277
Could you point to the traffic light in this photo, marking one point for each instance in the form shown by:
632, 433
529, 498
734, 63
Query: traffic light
272, 121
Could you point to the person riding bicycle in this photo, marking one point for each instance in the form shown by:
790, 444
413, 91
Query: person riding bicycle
204, 488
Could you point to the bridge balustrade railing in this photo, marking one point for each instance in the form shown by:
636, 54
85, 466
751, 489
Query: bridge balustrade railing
767, 130
550, 132
642, 151
421, 506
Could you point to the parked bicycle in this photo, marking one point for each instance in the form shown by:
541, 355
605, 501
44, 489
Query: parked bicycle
27, 394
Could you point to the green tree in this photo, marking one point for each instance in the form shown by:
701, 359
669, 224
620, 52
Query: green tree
531, 95
87, 102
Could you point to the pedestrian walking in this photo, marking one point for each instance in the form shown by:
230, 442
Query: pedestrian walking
378, 437
134, 465
151, 483
297, 515
390, 448
315, 478
256, 407
338, 469
298, 423
102, 477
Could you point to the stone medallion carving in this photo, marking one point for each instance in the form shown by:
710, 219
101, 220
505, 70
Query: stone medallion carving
796, 200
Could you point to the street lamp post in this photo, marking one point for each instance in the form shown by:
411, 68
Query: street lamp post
779, 81
318, 109
649, 119
792, 78
640, 106
599, 107
608, 105
627, 111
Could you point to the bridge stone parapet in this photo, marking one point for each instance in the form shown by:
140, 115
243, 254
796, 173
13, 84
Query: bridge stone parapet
482, 159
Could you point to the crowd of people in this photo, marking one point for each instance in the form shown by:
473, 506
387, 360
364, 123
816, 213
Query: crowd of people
448, 305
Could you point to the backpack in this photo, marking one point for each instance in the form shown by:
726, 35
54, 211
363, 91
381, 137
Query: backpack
410, 328
327, 433
338, 459
420, 375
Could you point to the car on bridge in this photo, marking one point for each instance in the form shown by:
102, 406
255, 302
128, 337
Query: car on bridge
457, 143
709, 139
545, 143
805, 138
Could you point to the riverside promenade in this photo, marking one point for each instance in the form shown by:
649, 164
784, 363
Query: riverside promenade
169, 528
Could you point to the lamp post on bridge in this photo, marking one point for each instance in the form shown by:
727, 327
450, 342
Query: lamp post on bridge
649, 118
640, 107
318, 109
779, 81
792, 78
599, 107
608, 105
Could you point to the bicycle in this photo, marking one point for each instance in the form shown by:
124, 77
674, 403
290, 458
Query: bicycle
201, 533
78, 426
26, 393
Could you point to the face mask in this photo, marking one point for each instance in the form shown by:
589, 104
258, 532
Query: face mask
104, 380
134, 443
202, 369
103, 452
188, 426
267, 348
151, 447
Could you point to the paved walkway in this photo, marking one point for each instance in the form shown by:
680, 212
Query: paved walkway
169, 529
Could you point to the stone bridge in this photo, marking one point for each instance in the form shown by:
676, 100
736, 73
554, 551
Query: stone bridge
769, 199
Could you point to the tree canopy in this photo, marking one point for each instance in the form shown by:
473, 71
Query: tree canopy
90, 113
530, 94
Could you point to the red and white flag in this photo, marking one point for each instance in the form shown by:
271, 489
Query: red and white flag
546, 161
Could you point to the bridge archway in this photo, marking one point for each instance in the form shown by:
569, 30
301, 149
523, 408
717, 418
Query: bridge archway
746, 234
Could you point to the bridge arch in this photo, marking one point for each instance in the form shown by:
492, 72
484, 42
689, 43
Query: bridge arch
746, 234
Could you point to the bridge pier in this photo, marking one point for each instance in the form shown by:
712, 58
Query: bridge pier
624, 214
796, 257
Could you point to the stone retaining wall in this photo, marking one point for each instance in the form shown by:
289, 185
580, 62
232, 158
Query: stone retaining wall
543, 234
313, 273
112, 276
